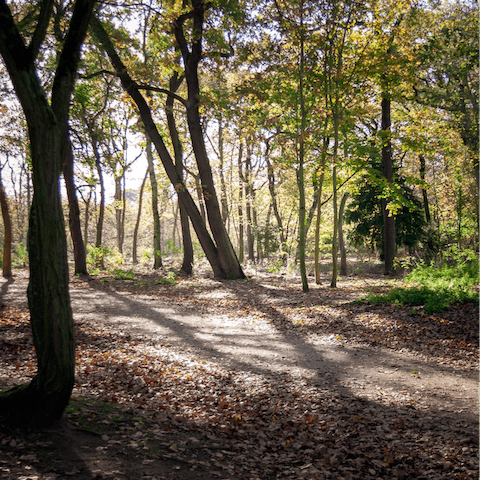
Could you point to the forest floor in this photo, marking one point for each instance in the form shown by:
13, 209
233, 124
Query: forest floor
254, 379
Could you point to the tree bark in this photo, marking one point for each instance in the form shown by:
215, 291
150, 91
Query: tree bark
302, 234
336, 120
247, 181
273, 196
319, 181
42, 401
101, 215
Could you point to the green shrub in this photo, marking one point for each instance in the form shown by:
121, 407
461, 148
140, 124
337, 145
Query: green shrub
436, 288
122, 275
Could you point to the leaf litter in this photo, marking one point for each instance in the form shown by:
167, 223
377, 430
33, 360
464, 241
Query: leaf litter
149, 406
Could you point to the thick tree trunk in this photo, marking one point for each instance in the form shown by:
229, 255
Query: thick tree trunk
79, 252
7, 240
387, 171
42, 401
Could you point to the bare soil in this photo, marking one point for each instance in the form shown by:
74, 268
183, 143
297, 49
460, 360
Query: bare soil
249, 379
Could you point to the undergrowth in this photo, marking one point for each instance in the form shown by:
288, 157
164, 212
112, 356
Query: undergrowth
435, 288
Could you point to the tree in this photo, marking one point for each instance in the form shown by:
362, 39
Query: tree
192, 55
42, 401
447, 77
214, 253
365, 212
7, 225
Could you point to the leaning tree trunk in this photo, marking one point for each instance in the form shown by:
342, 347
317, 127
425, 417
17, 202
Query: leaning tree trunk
208, 246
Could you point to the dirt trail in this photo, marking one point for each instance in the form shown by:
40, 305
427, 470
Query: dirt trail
251, 344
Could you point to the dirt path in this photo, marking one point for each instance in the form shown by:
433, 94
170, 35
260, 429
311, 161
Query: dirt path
401, 387
250, 343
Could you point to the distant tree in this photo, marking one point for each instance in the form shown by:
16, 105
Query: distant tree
365, 213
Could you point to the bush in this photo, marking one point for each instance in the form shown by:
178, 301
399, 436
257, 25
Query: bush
122, 275
437, 287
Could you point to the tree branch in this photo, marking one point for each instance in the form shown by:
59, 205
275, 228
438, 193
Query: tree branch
149, 88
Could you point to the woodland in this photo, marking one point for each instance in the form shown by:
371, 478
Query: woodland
240, 177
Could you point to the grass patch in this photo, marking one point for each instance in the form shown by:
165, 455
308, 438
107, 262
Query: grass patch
435, 288
168, 279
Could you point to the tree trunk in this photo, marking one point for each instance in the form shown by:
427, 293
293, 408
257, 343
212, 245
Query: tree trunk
241, 238
249, 205
187, 264
101, 215
333, 283
191, 58
157, 254
426, 205
79, 251
7, 241
273, 196
210, 249
318, 221
387, 171
223, 187
341, 240
87, 219
137, 223
301, 161
42, 401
